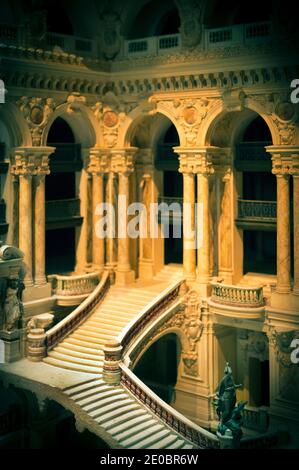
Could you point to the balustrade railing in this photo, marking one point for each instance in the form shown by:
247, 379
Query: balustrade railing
148, 314
179, 423
239, 296
74, 319
247, 34
74, 285
256, 418
62, 209
259, 210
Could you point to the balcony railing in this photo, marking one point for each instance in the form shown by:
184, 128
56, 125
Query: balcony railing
248, 34
254, 33
257, 210
238, 296
72, 44
62, 209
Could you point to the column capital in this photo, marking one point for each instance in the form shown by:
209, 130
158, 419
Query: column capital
31, 161
285, 159
99, 161
201, 160
122, 160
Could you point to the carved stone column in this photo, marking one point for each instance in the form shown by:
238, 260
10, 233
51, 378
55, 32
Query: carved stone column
123, 164
39, 230
145, 174
97, 167
40, 214
29, 163
84, 234
204, 171
281, 170
187, 168
111, 246
225, 269
25, 223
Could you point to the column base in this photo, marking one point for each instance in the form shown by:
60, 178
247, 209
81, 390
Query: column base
204, 288
190, 276
124, 278
40, 281
146, 270
285, 301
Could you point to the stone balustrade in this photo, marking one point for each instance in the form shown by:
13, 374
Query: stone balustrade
198, 436
150, 313
71, 290
255, 33
238, 296
72, 321
256, 418
74, 285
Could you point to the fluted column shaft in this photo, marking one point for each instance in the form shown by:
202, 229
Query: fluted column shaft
123, 164
203, 253
189, 248
111, 247
123, 239
283, 234
98, 253
25, 223
39, 230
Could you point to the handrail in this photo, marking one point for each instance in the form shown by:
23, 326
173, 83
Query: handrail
175, 420
245, 296
78, 285
148, 313
68, 324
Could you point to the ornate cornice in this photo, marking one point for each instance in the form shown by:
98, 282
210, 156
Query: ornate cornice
35, 78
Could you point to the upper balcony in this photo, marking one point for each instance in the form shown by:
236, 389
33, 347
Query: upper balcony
255, 33
236, 35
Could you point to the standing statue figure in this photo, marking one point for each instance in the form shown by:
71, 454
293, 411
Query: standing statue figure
12, 307
225, 400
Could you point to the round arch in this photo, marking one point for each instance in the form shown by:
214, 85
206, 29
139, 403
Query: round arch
80, 119
135, 117
182, 338
16, 126
158, 367
250, 111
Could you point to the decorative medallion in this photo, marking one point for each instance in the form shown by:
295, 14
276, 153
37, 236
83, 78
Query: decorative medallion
285, 111
190, 115
37, 115
110, 119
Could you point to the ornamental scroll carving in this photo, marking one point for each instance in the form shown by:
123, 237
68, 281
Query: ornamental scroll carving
187, 319
188, 113
36, 112
282, 112
111, 115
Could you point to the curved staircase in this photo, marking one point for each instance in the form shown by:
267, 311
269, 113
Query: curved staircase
114, 410
82, 350
123, 417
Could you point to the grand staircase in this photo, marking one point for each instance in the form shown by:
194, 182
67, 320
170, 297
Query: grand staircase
82, 350
120, 414
114, 410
